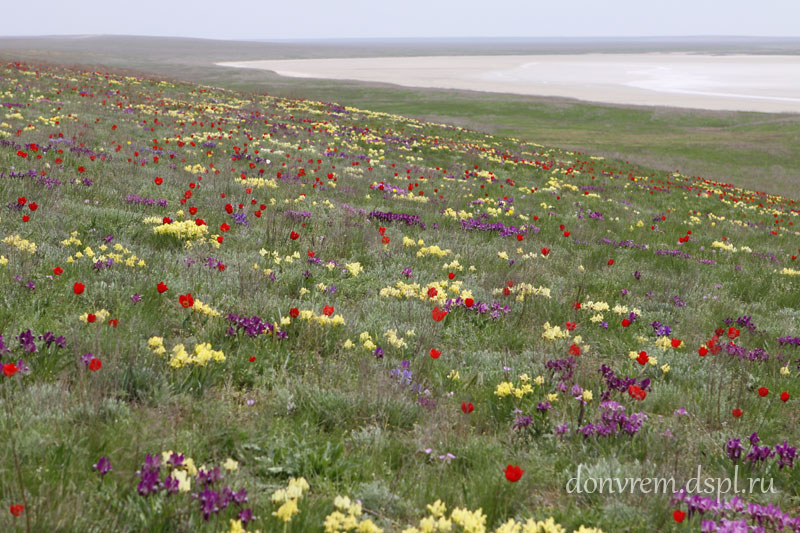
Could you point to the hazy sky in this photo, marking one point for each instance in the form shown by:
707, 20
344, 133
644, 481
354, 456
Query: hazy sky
312, 19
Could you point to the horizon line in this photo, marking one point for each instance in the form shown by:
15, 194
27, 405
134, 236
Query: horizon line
417, 38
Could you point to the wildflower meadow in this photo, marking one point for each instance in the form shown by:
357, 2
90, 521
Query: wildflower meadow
227, 311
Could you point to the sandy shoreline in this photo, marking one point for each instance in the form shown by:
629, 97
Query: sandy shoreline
767, 83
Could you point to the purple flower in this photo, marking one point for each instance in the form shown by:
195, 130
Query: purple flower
209, 502
103, 466
403, 373
786, 455
246, 515
171, 484
734, 449
148, 476
521, 421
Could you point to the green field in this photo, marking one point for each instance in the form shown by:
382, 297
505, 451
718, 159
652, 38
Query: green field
756, 150
224, 310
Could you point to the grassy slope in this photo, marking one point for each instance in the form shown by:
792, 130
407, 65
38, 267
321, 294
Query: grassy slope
756, 150
335, 415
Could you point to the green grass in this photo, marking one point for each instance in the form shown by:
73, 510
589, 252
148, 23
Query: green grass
755, 150
316, 406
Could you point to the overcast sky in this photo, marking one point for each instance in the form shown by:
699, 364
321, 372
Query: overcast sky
316, 19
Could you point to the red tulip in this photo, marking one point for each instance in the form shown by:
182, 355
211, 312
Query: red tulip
450, 275
327, 310
513, 473
435, 353
763, 391
186, 300
545, 251
91, 318
78, 288
610, 262
737, 413
642, 359
469, 302
625, 322
467, 407
703, 351
58, 271
294, 235
294, 312
678, 516
162, 287
158, 180
17, 510
784, 396
676, 343
637, 393
9, 369
95, 364
438, 314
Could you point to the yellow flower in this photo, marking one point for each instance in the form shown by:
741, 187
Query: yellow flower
286, 511
21, 244
472, 522
236, 526
354, 268
230, 465
437, 509
504, 389
184, 482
